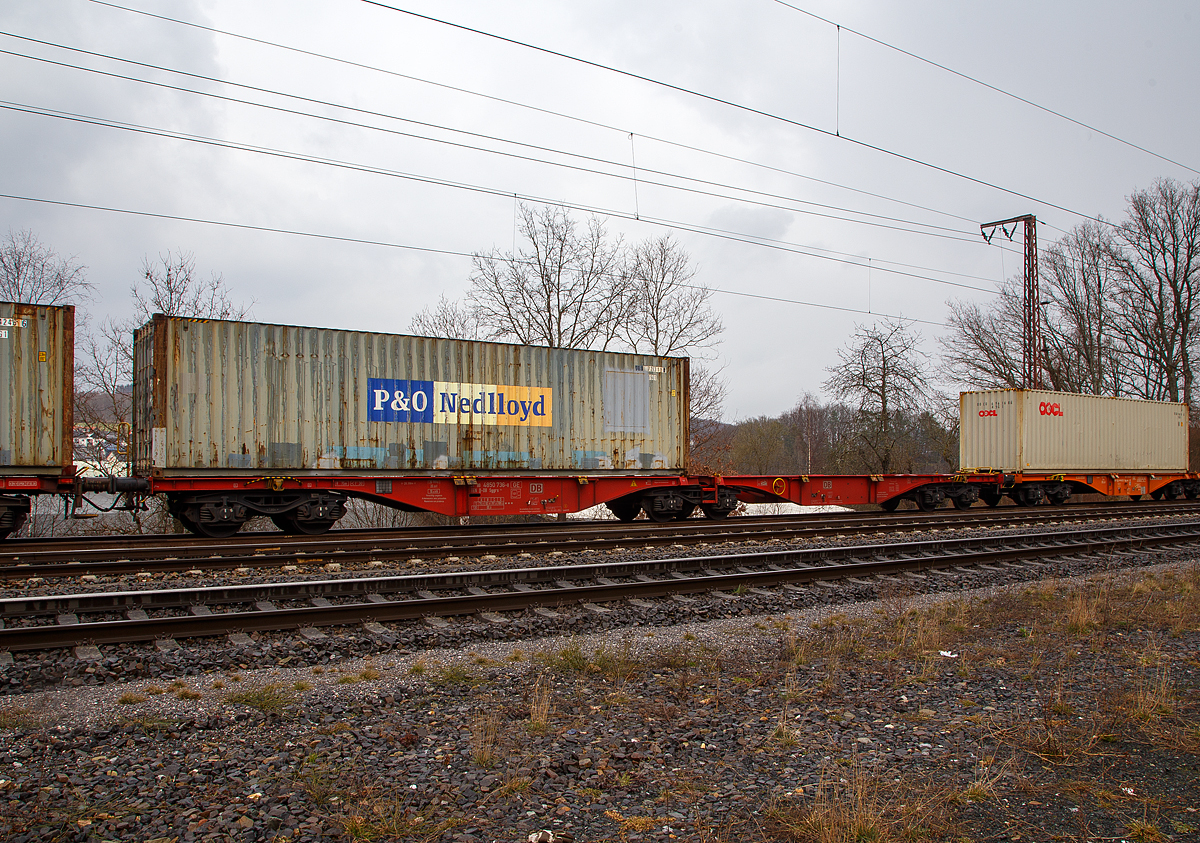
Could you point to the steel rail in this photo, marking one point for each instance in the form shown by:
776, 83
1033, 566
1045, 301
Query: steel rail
132, 546
412, 583
899, 558
220, 556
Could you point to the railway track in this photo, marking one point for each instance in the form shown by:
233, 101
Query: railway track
48, 622
160, 554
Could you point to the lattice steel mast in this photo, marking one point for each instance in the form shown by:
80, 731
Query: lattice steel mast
1031, 340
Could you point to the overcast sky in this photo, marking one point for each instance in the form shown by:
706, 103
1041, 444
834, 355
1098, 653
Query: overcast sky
452, 127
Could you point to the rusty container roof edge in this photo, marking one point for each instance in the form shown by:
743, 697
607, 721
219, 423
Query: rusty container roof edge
163, 318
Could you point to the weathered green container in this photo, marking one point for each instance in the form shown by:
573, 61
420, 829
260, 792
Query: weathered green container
253, 398
37, 367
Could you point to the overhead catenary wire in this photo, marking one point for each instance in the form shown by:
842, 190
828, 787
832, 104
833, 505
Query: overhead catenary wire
935, 230
430, 250
736, 105
301, 157
538, 109
365, 168
988, 85
677, 225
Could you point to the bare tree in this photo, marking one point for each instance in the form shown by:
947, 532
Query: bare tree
668, 313
1078, 282
938, 430
104, 365
1156, 255
565, 289
571, 287
33, 273
1080, 352
172, 288
815, 434
711, 438
448, 319
760, 446
983, 347
882, 374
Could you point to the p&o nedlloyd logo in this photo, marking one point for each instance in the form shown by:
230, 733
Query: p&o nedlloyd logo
443, 402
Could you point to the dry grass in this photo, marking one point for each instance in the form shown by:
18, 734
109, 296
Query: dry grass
1082, 614
367, 674
16, 717
540, 706
1145, 831
985, 780
639, 824
568, 659
485, 740
272, 698
853, 806
1153, 697
512, 787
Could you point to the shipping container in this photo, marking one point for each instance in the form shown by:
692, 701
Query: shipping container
37, 364
245, 397
1060, 432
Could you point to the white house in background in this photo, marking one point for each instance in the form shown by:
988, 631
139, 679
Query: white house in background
110, 466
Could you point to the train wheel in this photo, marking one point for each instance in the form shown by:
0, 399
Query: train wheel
714, 512
991, 498
188, 524
960, 503
890, 504
295, 527
624, 508
686, 512
213, 529
658, 516
926, 502
1135, 497
1157, 494
4, 533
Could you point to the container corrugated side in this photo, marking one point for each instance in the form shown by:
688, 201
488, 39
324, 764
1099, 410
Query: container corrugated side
251, 397
1043, 431
37, 364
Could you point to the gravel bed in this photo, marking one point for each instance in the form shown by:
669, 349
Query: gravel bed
165, 660
711, 728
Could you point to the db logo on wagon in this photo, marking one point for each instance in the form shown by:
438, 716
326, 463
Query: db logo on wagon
986, 413
1047, 409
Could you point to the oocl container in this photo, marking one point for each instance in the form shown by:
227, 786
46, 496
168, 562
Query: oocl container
1040, 431
37, 387
248, 397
